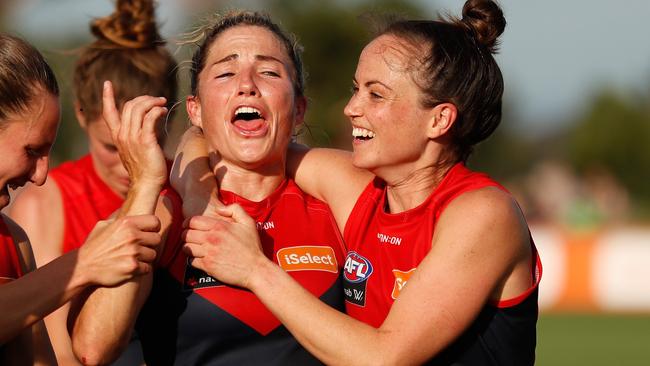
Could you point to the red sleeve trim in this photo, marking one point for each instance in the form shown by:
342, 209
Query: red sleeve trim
537, 276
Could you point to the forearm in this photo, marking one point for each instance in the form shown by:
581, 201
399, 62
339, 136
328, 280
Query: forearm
104, 323
43, 350
331, 336
141, 199
103, 327
57, 328
38, 293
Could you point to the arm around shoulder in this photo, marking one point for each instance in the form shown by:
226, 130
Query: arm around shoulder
328, 175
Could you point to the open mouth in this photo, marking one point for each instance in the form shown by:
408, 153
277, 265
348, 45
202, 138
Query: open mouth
362, 134
249, 121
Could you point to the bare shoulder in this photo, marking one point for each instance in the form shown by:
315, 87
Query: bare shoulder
34, 197
328, 174
483, 222
486, 208
39, 211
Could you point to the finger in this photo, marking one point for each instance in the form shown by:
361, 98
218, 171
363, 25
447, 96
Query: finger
194, 250
151, 119
149, 223
237, 213
109, 112
202, 222
143, 268
146, 255
194, 237
141, 106
149, 239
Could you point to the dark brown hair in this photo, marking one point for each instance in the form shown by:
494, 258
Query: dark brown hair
23, 74
457, 67
215, 27
129, 52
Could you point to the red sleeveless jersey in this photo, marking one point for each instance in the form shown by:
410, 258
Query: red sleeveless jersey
385, 249
86, 200
200, 320
9, 262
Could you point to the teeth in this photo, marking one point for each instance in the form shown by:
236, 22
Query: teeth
247, 110
362, 132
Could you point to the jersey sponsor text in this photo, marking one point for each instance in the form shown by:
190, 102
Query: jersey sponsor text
389, 239
307, 258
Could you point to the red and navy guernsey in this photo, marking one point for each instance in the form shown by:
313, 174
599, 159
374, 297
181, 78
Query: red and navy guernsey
384, 251
191, 318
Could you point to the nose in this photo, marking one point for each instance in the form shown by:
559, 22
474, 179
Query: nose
352, 109
247, 86
39, 174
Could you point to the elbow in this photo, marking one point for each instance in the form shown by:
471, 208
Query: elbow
94, 353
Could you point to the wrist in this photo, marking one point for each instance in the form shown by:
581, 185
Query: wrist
263, 273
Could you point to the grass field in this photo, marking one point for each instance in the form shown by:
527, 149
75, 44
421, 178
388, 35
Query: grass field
594, 340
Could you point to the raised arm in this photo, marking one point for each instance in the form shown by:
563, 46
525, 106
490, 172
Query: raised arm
467, 266
103, 319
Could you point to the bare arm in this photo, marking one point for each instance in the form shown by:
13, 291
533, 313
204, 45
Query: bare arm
32, 344
191, 176
326, 174
33, 210
466, 267
102, 324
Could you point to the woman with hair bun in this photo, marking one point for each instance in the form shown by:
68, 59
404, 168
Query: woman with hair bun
59, 215
441, 267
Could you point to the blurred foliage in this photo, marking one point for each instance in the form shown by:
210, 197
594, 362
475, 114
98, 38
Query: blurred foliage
614, 135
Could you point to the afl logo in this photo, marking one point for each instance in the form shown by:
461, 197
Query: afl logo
357, 268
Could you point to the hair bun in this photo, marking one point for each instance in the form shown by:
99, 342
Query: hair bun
132, 25
485, 20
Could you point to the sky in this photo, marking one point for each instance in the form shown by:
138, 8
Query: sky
555, 54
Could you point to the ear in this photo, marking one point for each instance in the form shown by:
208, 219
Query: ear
80, 116
442, 118
193, 105
301, 109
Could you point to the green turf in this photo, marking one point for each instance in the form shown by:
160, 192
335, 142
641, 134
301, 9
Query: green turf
594, 340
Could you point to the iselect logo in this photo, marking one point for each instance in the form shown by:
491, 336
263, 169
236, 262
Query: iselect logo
307, 258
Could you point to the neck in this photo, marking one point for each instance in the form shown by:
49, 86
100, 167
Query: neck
252, 183
412, 189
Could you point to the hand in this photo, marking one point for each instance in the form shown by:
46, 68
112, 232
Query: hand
228, 249
134, 134
116, 251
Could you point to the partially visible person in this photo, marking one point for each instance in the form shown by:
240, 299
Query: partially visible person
441, 267
59, 215
248, 95
114, 252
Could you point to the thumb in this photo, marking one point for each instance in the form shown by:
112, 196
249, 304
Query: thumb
236, 213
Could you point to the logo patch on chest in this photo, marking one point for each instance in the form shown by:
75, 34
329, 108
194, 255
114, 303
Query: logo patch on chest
195, 278
401, 278
356, 272
307, 258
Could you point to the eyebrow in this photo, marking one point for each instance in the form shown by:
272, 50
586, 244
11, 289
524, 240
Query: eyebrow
371, 83
235, 56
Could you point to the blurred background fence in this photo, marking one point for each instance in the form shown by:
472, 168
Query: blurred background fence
573, 146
